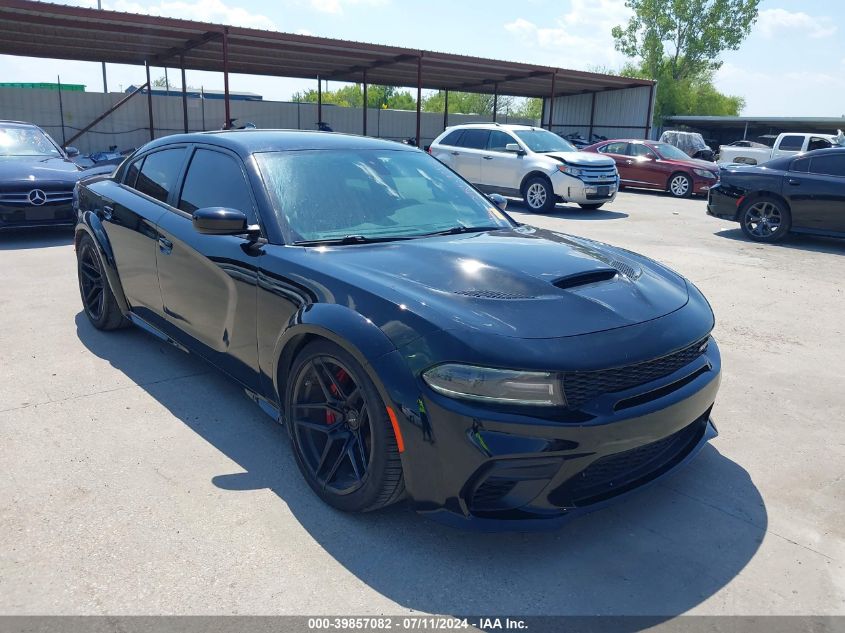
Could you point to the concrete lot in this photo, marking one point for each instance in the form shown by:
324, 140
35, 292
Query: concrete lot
136, 479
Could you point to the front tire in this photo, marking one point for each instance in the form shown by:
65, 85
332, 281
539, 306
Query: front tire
538, 195
343, 440
97, 298
680, 186
591, 207
765, 220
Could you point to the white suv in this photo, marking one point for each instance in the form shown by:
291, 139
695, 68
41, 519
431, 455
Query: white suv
528, 162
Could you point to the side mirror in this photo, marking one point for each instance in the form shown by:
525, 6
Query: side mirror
515, 148
499, 201
221, 221
71, 151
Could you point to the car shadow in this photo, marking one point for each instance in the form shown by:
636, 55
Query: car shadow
569, 212
41, 237
659, 553
797, 241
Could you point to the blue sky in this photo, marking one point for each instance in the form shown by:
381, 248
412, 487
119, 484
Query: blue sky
793, 64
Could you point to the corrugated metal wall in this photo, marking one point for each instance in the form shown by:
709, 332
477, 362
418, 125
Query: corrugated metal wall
128, 125
618, 113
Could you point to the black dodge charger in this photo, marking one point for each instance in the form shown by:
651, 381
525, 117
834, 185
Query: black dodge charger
414, 339
798, 194
36, 178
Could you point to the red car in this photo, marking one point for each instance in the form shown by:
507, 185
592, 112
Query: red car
653, 165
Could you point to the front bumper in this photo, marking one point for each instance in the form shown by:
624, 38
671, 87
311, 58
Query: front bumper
25, 216
571, 189
502, 470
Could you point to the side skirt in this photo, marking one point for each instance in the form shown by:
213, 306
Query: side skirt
138, 321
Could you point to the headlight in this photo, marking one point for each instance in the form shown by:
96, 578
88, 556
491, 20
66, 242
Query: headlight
570, 170
505, 386
705, 174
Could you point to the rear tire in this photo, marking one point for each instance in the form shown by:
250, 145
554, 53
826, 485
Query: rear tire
343, 440
97, 297
680, 186
591, 207
765, 219
538, 195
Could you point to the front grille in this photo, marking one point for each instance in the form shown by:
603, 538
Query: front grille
580, 387
617, 473
22, 196
603, 175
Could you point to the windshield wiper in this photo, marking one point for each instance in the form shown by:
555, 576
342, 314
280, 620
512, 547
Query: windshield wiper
455, 230
351, 239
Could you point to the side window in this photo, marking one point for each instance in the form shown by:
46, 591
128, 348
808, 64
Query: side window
159, 173
215, 180
498, 140
614, 148
791, 143
452, 138
475, 138
638, 149
818, 143
132, 173
830, 165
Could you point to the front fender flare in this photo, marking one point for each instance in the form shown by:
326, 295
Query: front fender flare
343, 326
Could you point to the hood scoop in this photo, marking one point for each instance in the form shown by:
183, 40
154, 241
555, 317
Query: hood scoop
588, 277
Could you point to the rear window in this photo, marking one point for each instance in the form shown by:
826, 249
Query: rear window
614, 148
791, 143
452, 138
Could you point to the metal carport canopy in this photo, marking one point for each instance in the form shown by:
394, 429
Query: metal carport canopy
40, 29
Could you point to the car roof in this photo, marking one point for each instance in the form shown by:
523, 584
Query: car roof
254, 141
493, 126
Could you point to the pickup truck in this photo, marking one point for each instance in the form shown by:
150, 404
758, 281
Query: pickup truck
786, 144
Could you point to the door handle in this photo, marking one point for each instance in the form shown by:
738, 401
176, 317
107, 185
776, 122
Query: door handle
793, 181
628, 162
165, 245
455, 153
487, 157
107, 210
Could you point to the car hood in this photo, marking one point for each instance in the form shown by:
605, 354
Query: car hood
525, 282
37, 170
581, 158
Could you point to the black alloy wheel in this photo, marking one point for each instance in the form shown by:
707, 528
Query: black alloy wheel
97, 298
343, 439
765, 220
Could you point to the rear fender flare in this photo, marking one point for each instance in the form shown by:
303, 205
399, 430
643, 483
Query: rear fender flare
91, 225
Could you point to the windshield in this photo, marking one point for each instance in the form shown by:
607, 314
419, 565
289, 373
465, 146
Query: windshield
670, 151
26, 141
371, 194
544, 141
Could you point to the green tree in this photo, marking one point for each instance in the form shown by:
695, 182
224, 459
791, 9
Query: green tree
691, 95
352, 96
678, 43
684, 38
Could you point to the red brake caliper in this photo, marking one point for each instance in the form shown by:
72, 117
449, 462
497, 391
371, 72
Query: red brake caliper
341, 377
